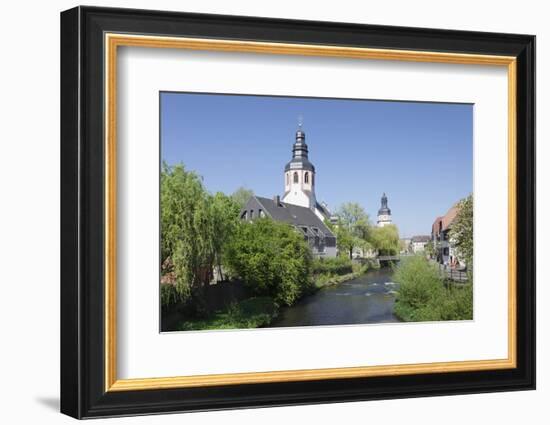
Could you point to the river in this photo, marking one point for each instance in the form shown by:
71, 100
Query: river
366, 299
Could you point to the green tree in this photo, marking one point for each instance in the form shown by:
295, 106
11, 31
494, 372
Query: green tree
225, 219
462, 231
386, 239
272, 259
241, 196
353, 229
187, 231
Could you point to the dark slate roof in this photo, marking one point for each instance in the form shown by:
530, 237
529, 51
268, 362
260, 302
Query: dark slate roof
292, 214
421, 238
324, 210
299, 163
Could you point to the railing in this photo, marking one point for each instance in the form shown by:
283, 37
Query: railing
453, 274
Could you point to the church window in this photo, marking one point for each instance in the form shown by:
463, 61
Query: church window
295, 177
287, 179
306, 177
251, 214
243, 215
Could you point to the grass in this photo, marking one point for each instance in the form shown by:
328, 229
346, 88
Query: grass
250, 313
329, 279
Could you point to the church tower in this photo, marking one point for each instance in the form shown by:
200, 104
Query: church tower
300, 175
384, 213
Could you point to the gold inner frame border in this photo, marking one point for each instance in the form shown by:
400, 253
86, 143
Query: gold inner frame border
112, 41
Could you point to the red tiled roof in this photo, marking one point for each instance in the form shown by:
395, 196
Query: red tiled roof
449, 217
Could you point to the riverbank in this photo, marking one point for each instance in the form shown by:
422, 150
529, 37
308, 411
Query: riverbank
368, 298
255, 312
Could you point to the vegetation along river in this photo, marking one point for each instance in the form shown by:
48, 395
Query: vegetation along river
366, 299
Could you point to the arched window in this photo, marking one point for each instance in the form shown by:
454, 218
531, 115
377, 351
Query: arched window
295, 177
306, 177
287, 179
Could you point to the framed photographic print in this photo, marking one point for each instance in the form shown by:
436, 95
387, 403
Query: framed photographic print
261, 212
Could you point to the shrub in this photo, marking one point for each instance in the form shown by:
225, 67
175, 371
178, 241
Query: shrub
272, 259
332, 266
423, 295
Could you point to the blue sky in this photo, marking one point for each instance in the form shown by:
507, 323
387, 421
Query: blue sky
420, 154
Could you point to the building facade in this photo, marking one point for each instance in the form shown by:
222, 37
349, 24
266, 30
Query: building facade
418, 243
319, 237
384, 213
443, 244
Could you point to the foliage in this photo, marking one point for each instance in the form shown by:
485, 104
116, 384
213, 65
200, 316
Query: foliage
169, 295
423, 295
250, 313
386, 239
462, 230
241, 196
194, 228
271, 258
332, 266
225, 219
429, 249
353, 229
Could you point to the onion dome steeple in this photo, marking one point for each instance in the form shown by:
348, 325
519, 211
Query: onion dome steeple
384, 210
300, 159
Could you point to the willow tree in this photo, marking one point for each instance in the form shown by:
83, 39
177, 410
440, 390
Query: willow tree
386, 239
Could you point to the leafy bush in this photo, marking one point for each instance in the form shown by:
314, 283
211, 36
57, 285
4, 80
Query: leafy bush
332, 266
423, 295
272, 259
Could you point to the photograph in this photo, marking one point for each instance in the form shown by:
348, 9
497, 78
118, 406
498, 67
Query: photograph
280, 211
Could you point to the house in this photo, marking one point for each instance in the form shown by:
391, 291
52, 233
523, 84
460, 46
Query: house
319, 237
418, 243
445, 251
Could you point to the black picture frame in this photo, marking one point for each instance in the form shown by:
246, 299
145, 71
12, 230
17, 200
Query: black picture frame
83, 392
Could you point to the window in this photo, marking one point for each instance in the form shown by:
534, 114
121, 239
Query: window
295, 177
306, 177
243, 215
251, 214
287, 179
312, 175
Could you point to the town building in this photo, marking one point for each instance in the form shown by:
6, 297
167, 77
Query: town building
418, 243
443, 244
384, 213
319, 237
405, 245
298, 206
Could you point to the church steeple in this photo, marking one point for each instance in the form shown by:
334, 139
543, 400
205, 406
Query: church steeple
384, 213
300, 173
384, 205
300, 151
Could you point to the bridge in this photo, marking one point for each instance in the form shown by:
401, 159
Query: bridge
388, 258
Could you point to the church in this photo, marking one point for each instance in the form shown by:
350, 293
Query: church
384, 213
298, 206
